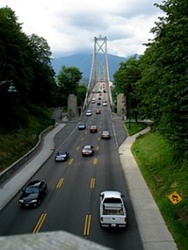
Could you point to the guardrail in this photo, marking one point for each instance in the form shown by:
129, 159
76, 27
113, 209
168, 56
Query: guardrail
4, 175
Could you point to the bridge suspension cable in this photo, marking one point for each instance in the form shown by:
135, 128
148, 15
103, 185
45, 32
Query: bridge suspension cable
99, 67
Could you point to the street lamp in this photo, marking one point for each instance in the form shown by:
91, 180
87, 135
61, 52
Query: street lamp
129, 108
11, 88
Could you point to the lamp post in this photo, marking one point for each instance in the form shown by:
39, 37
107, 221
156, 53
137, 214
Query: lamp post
11, 88
129, 108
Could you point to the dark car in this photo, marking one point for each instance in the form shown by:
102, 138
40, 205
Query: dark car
81, 126
61, 156
33, 193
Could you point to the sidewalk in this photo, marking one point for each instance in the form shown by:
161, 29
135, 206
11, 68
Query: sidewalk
153, 230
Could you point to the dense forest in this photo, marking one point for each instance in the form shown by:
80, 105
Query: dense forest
26, 62
156, 84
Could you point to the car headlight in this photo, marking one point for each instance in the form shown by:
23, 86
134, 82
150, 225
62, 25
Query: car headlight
21, 201
33, 201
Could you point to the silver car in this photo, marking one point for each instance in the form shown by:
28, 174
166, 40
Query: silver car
87, 150
61, 156
105, 134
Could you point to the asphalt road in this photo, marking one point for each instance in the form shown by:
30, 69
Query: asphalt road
72, 202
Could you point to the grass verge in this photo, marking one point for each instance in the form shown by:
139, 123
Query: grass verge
164, 175
134, 128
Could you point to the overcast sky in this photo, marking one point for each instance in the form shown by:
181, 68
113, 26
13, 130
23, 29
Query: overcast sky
69, 26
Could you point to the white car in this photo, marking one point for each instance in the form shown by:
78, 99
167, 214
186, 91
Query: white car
88, 112
112, 209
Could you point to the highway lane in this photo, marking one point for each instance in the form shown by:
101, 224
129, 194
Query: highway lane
72, 202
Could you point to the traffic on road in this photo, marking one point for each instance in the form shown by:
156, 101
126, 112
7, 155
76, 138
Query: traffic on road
75, 183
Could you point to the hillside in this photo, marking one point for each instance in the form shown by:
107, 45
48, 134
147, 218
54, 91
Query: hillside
84, 62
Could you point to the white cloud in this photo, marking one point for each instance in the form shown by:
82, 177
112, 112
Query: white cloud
69, 26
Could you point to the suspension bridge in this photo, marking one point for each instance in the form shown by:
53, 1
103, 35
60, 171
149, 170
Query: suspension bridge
99, 69
99, 73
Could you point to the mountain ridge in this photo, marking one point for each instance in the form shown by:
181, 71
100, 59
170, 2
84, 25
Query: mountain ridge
84, 62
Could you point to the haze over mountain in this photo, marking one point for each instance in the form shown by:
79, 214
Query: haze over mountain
84, 62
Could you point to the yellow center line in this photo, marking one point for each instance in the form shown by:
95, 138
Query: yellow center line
97, 148
82, 138
77, 148
92, 183
87, 224
40, 222
60, 182
70, 161
95, 161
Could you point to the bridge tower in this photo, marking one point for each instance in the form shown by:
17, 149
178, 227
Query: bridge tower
99, 71
99, 67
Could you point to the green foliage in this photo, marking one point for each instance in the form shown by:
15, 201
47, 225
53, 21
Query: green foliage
127, 74
133, 127
17, 142
124, 80
81, 93
163, 87
27, 62
155, 157
68, 82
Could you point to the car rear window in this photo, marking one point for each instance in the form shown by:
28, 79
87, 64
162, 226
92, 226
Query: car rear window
112, 200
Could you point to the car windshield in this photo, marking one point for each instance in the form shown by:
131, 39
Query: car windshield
32, 190
61, 153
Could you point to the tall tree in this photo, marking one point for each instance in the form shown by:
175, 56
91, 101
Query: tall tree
43, 84
68, 81
164, 84
125, 79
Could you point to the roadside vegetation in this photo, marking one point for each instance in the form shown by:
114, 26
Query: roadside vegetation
16, 143
164, 175
133, 127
